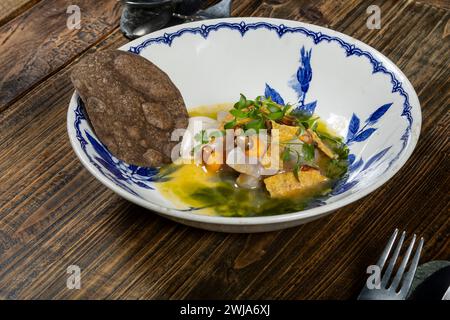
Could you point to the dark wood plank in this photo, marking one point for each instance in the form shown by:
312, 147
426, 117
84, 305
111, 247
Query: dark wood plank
53, 213
445, 4
38, 43
9, 9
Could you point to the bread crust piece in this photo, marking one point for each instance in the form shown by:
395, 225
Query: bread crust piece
284, 185
132, 105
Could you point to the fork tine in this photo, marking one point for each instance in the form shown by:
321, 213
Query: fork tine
406, 284
392, 261
401, 269
387, 249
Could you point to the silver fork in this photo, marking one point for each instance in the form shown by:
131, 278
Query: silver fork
390, 290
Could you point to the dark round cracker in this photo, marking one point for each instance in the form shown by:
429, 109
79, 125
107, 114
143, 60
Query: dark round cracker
132, 105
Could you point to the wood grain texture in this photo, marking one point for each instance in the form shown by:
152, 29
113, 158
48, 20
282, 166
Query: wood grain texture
38, 43
445, 4
53, 213
12, 8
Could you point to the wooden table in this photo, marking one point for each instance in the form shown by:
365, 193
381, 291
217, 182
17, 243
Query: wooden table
53, 213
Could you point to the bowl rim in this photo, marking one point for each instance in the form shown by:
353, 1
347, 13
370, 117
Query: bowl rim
274, 219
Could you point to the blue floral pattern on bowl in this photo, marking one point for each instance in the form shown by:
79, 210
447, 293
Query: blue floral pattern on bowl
300, 83
121, 173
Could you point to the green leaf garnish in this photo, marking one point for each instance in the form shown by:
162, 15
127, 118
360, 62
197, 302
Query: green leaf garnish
301, 130
300, 115
260, 109
326, 136
255, 124
272, 107
336, 168
287, 107
308, 152
258, 101
230, 125
286, 154
275, 115
239, 113
311, 123
296, 171
343, 151
242, 103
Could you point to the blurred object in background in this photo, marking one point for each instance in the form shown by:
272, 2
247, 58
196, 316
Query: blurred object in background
141, 17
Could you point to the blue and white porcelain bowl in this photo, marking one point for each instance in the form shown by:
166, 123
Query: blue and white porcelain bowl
359, 92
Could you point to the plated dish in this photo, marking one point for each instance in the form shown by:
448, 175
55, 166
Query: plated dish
257, 157
351, 119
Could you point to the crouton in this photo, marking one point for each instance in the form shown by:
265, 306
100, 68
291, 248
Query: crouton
322, 146
284, 185
285, 133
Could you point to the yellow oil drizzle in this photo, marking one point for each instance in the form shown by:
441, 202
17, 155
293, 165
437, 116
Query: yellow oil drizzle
190, 176
324, 128
209, 110
183, 181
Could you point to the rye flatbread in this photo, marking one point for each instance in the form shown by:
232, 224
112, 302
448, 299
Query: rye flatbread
132, 105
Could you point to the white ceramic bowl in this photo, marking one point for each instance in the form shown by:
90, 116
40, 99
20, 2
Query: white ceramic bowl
354, 88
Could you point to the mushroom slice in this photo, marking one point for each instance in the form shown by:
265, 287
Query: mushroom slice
322, 146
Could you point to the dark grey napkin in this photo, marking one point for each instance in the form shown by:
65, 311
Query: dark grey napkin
431, 281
